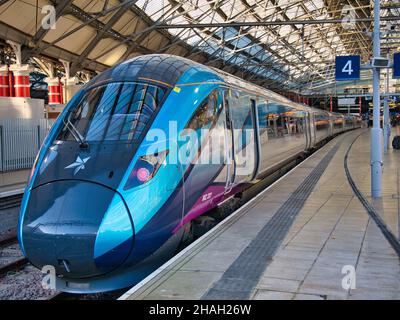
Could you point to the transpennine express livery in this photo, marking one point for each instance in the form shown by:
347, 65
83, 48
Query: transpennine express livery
121, 175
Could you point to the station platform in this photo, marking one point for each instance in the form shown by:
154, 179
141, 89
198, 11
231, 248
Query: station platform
13, 183
301, 238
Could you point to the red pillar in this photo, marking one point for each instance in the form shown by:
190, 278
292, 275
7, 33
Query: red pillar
22, 87
54, 90
4, 82
21, 84
331, 103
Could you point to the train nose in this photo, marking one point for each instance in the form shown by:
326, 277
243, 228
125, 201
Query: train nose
82, 229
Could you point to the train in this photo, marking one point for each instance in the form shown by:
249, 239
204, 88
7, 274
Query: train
140, 152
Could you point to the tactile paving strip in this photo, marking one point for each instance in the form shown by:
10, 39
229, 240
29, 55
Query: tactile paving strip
240, 279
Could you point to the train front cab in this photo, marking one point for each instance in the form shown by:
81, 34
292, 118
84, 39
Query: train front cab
95, 172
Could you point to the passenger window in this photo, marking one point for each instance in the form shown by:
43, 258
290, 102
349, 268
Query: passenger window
280, 120
321, 121
211, 118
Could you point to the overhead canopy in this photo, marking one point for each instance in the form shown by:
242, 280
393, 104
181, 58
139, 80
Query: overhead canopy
281, 44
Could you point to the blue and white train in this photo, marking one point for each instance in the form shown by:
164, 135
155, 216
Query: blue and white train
104, 211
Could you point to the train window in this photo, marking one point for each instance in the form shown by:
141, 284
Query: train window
206, 114
282, 131
280, 120
263, 116
338, 122
321, 121
114, 112
211, 118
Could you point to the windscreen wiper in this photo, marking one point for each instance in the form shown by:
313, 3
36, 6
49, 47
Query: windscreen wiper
76, 134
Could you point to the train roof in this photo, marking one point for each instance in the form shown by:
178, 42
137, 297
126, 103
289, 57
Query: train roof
162, 68
167, 69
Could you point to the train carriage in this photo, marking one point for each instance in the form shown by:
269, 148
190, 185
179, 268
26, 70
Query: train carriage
142, 150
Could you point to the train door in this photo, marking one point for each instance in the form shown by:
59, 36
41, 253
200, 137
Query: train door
257, 147
307, 131
314, 119
245, 140
310, 130
229, 143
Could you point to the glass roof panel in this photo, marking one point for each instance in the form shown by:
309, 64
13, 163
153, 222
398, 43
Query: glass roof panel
247, 47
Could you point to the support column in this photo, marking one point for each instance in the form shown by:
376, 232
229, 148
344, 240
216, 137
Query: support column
376, 131
69, 88
4, 82
22, 87
68, 82
386, 115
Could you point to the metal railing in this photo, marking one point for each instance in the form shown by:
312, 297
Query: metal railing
20, 140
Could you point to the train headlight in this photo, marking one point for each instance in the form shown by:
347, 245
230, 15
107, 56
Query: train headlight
145, 169
143, 174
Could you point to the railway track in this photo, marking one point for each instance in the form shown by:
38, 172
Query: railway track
13, 266
10, 201
8, 238
11, 258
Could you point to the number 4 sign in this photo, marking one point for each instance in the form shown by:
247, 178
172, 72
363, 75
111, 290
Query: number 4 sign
347, 68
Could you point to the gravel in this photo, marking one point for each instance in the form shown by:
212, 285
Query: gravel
24, 284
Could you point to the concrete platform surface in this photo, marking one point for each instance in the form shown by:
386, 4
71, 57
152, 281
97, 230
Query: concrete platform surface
305, 237
13, 182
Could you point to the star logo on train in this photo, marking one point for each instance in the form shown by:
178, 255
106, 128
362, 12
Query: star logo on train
79, 164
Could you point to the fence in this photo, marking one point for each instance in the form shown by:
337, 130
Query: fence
20, 140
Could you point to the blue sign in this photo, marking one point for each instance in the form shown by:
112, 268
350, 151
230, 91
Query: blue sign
396, 65
347, 68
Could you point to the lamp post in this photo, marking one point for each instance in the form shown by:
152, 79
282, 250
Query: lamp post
376, 131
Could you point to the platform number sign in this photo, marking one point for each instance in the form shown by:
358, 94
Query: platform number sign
347, 68
396, 65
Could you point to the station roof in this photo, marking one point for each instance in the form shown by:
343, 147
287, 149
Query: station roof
281, 44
